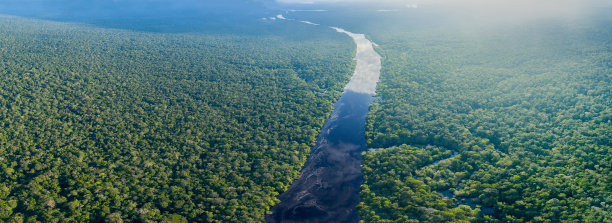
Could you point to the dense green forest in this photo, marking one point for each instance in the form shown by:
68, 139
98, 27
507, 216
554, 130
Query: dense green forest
526, 109
121, 126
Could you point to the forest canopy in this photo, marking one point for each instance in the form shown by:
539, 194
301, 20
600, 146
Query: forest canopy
115, 125
525, 109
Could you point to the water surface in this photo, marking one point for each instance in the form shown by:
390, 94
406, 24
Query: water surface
329, 185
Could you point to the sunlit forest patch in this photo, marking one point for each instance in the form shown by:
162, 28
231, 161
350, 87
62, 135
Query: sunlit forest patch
526, 107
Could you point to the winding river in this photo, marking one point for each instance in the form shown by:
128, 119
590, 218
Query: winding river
329, 184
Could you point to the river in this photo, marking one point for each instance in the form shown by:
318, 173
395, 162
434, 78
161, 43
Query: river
329, 184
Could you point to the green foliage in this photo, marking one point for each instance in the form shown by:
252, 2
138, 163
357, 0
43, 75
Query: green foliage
392, 193
119, 126
527, 109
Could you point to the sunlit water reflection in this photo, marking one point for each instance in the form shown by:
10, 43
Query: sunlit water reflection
328, 189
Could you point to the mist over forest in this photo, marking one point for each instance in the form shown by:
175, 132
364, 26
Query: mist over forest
392, 15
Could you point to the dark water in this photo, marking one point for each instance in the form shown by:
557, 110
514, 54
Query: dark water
328, 190
329, 185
